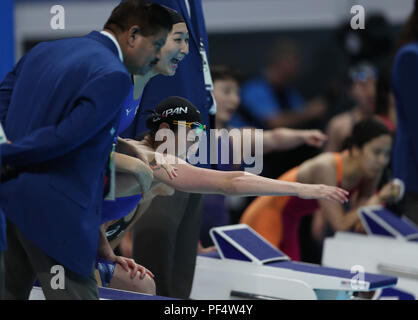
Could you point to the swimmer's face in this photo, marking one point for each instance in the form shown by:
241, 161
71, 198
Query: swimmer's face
184, 142
174, 50
142, 53
364, 92
375, 155
191, 145
193, 139
226, 93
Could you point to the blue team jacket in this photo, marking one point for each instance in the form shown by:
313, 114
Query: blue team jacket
405, 89
60, 106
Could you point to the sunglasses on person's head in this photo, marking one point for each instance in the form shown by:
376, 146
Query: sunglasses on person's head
199, 127
363, 74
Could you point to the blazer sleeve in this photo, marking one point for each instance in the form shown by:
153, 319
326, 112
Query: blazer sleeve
407, 89
99, 101
6, 89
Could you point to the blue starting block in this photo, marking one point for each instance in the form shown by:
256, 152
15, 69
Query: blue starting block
247, 266
378, 220
390, 247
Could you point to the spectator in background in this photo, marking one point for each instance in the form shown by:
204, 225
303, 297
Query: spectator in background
404, 83
362, 79
271, 101
373, 44
172, 256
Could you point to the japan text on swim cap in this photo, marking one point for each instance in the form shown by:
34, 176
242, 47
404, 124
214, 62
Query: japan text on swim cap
174, 109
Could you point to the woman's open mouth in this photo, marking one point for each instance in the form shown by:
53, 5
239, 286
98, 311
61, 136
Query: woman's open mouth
175, 62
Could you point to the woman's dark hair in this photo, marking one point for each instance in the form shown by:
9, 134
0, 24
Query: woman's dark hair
150, 17
365, 131
409, 32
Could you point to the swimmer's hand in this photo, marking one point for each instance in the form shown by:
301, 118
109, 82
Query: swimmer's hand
144, 175
359, 228
201, 249
159, 162
132, 267
128, 147
152, 159
321, 191
391, 192
314, 138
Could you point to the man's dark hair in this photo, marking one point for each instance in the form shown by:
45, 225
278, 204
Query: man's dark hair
150, 17
223, 72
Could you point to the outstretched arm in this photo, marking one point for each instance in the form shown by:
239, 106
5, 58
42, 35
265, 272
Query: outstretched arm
284, 139
198, 180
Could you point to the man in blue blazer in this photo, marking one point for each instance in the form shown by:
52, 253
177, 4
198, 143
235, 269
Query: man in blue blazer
6, 62
172, 224
2, 248
60, 107
405, 153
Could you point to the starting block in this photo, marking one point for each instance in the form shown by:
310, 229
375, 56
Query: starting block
390, 247
378, 220
246, 266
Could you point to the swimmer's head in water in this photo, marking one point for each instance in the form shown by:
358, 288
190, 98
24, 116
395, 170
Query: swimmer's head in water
371, 144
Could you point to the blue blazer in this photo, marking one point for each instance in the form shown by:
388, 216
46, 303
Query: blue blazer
188, 82
60, 107
405, 89
3, 243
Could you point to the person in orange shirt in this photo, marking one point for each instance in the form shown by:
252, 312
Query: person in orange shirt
357, 169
